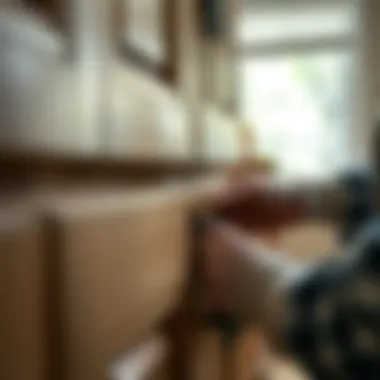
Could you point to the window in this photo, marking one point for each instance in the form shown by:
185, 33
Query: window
297, 61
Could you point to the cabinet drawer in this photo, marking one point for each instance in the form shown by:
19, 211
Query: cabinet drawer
121, 266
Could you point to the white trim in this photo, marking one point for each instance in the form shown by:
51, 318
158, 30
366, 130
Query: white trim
296, 46
286, 3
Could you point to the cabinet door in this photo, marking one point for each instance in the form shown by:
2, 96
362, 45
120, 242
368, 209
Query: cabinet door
121, 267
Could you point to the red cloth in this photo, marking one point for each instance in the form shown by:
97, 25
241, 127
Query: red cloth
259, 205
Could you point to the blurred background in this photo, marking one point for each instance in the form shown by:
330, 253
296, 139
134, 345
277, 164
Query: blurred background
99, 98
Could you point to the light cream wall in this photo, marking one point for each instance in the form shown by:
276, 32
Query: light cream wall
38, 91
75, 96
143, 117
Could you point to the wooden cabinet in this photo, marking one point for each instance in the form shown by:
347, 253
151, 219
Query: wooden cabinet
92, 267
87, 277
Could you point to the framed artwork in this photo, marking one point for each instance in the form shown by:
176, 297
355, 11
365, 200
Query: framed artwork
146, 34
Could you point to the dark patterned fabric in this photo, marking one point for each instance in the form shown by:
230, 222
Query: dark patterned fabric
334, 326
360, 186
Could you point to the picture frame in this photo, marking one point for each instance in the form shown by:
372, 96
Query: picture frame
147, 37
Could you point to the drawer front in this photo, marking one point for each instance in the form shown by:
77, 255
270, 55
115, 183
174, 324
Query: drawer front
122, 268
